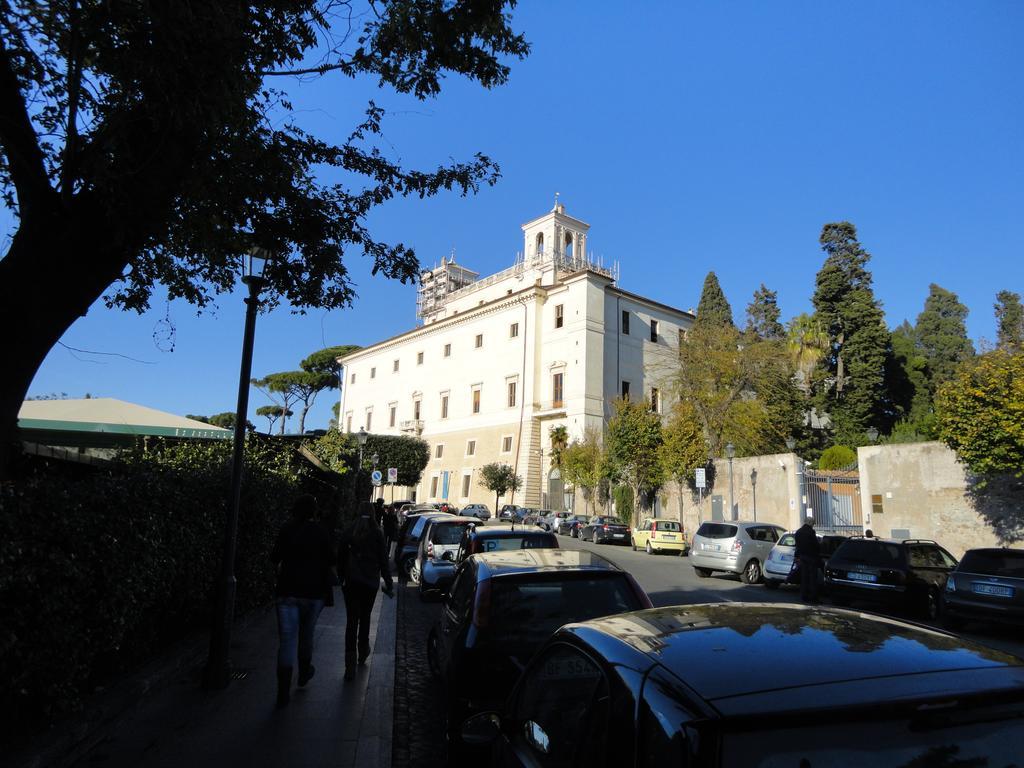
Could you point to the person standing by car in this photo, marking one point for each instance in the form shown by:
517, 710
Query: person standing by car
390, 529
808, 553
363, 564
378, 511
305, 576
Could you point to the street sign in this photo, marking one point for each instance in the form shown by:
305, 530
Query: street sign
700, 479
392, 474
376, 477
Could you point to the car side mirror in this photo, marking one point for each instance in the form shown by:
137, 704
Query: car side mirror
481, 729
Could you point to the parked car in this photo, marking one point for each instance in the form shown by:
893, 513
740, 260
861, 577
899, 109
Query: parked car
434, 566
445, 506
734, 547
568, 526
476, 540
512, 513
712, 685
602, 529
480, 511
908, 573
657, 535
779, 564
549, 521
408, 542
502, 607
987, 585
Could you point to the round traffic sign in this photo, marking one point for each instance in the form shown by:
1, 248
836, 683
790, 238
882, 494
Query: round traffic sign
376, 477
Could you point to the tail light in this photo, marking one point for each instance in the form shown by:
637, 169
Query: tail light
430, 549
737, 545
605, 526
482, 609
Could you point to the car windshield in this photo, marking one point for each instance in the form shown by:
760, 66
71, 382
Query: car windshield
667, 525
978, 739
867, 552
526, 541
524, 612
789, 540
451, 533
717, 531
994, 562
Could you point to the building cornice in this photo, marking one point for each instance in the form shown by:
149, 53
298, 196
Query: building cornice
650, 302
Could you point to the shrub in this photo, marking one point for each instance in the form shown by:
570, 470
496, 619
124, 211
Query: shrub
837, 457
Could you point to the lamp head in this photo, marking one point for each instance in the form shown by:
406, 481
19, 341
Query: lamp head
254, 263
361, 436
872, 434
730, 450
790, 443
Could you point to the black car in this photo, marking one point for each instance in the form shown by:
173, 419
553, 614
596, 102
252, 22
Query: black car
738, 685
478, 540
907, 573
502, 606
987, 585
603, 529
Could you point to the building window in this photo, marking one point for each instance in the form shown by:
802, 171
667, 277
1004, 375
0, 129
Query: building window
479, 340
438, 451
433, 487
625, 390
447, 350
392, 414
465, 486
476, 400
559, 315
512, 394
877, 504
416, 409
369, 420
556, 390
625, 322
394, 367
506, 444
419, 358
348, 422
470, 449
373, 373
513, 330
352, 379
444, 406
655, 400
654, 331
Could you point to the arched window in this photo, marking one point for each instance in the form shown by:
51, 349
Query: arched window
540, 243
568, 245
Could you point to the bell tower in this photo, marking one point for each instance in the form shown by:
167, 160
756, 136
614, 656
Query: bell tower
556, 237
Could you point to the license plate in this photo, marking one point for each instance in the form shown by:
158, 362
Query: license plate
786, 558
712, 547
618, 535
668, 536
856, 576
992, 589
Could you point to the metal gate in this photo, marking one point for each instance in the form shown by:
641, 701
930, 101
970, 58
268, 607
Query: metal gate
834, 500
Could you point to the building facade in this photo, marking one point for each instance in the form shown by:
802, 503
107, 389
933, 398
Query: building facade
500, 361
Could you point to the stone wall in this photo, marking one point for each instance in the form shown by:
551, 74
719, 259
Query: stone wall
920, 490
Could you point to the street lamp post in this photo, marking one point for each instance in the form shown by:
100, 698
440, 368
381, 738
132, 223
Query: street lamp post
218, 666
374, 460
872, 434
361, 437
753, 486
730, 452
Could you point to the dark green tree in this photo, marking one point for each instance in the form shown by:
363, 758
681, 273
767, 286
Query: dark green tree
941, 335
296, 387
194, 417
714, 309
1010, 322
499, 478
272, 413
849, 384
908, 386
325, 361
763, 315
146, 144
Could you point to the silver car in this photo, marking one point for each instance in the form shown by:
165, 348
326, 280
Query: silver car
434, 566
479, 511
549, 522
736, 546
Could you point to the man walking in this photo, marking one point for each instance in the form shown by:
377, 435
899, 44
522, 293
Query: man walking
808, 553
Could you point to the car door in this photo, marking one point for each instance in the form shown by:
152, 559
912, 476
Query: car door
455, 614
642, 534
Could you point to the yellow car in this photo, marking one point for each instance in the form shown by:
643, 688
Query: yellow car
656, 535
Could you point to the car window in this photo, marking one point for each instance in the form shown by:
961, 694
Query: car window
994, 563
667, 525
662, 725
562, 709
759, 533
865, 552
788, 540
716, 531
462, 591
449, 534
926, 556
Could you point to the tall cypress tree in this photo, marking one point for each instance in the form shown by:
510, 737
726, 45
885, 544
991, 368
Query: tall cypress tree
1010, 321
850, 382
908, 383
714, 309
763, 315
941, 335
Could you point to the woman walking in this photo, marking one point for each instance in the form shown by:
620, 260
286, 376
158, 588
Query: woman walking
305, 562
363, 564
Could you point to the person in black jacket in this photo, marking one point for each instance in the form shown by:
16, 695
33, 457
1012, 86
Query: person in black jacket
305, 574
808, 553
363, 564
390, 527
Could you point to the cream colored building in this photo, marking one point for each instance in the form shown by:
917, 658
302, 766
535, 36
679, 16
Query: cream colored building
500, 361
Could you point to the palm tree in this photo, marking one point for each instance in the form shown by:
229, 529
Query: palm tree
559, 441
807, 342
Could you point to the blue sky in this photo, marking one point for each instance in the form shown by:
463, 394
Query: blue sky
692, 136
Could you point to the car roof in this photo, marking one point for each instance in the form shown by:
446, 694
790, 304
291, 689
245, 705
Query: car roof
519, 561
501, 532
449, 519
726, 652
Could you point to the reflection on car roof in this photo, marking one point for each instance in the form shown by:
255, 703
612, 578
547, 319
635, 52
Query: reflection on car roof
547, 560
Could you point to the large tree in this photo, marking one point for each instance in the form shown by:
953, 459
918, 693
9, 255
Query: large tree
153, 143
1010, 321
941, 334
850, 382
763, 315
908, 385
499, 478
714, 309
634, 437
583, 465
683, 449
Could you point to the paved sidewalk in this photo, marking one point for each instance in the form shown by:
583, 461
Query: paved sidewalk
328, 723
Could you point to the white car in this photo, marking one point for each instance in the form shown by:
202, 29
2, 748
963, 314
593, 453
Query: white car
479, 511
780, 561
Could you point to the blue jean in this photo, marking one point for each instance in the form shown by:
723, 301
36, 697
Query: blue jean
296, 623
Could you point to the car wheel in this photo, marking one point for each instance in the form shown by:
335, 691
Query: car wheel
930, 605
702, 572
751, 573
434, 653
405, 569
771, 584
649, 548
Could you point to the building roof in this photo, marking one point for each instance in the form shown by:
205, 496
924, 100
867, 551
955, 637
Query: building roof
72, 422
